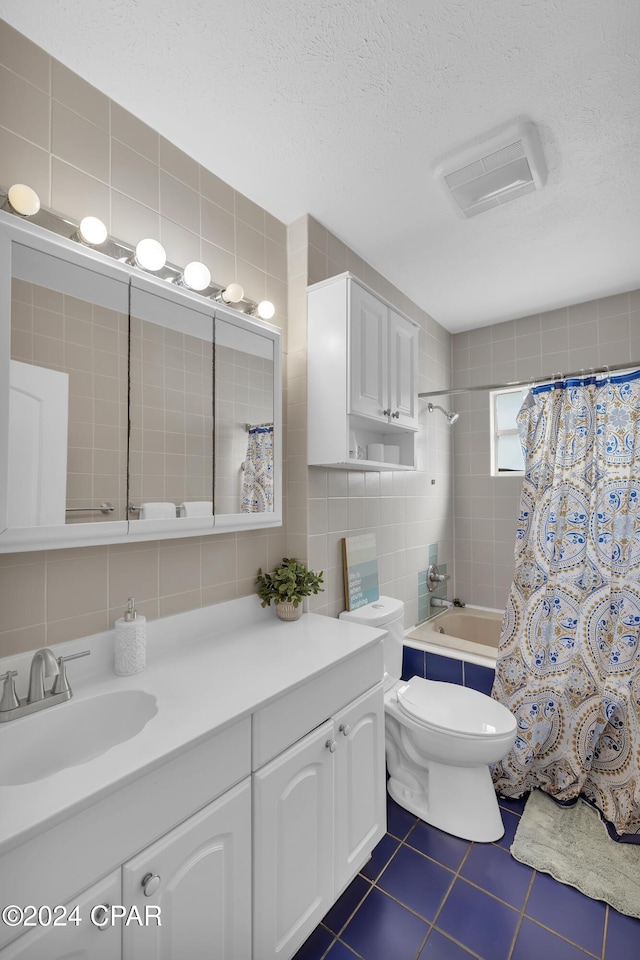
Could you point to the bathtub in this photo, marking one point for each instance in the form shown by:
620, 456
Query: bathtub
471, 634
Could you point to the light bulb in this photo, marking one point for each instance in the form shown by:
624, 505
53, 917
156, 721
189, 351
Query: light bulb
265, 309
196, 276
150, 255
92, 231
23, 200
233, 294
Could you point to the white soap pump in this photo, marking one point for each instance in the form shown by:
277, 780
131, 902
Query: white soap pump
131, 642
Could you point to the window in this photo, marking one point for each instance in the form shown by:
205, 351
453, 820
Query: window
506, 452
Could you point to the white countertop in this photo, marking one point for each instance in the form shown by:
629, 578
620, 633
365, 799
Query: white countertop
207, 669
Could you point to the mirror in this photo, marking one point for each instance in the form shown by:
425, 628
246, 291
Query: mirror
245, 478
113, 386
171, 405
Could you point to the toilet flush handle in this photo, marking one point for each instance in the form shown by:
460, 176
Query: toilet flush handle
345, 728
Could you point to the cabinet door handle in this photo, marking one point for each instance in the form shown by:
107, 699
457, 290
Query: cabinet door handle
396, 414
100, 915
345, 729
150, 883
331, 745
387, 412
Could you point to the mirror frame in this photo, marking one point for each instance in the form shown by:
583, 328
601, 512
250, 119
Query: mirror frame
16, 539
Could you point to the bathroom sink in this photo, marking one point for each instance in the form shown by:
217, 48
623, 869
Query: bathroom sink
71, 733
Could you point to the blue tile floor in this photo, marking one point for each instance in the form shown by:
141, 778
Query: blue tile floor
425, 895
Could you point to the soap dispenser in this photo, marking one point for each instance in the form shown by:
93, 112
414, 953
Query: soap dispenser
131, 642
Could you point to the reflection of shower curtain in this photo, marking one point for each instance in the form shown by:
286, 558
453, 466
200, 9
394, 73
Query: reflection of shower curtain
569, 658
257, 479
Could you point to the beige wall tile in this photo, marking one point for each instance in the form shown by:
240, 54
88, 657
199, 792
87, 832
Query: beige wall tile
23, 57
218, 225
131, 221
24, 109
179, 202
76, 194
79, 142
76, 586
179, 164
23, 162
249, 212
216, 190
135, 175
134, 133
179, 568
79, 96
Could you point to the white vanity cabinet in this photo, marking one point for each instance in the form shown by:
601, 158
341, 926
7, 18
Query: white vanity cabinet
199, 876
362, 378
79, 938
319, 809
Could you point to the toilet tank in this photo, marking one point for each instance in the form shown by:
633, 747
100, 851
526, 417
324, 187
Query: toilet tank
385, 613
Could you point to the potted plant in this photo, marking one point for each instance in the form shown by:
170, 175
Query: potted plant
287, 586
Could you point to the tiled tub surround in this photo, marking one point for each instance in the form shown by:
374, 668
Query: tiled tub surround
464, 654
313, 667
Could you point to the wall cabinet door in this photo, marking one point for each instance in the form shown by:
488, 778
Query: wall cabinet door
203, 886
403, 371
369, 360
360, 801
82, 941
293, 856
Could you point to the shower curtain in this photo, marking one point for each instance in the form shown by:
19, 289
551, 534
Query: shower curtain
569, 660
257, 478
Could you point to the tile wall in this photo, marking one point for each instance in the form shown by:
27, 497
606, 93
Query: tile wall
84, 154
577, 337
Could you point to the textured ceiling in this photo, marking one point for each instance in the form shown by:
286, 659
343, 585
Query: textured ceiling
342, 108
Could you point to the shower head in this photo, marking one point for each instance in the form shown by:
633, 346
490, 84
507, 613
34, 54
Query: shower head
450, 415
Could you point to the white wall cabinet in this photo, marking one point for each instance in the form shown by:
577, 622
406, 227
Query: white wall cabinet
199, 876
362, 378
75, 941
319, 809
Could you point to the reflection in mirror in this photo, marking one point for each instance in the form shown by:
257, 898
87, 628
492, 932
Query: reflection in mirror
171, 439
68, 406
244, 373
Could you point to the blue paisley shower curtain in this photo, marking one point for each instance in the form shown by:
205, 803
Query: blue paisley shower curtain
257, 478
569, 660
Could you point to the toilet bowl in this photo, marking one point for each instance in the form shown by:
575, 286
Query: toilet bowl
440, 739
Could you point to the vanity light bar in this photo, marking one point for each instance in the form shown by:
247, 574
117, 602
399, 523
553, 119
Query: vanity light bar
23, 201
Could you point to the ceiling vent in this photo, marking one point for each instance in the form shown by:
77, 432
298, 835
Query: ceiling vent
494, 171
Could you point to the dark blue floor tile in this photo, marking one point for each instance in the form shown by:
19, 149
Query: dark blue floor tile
399, 820
623, 937
314, 946
346, 904
438, 845
340, 952
380, 857
514, 805
439, 947
475, 919
416, 882
382, 929
534, 941
511, 821
568, 912
495, 870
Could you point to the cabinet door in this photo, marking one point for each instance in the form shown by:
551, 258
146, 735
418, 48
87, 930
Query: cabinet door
368, 362
82, 941
204, 890
403, 371
360, 800
293, 846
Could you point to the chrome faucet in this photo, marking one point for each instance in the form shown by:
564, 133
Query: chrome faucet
439, 602
44, 664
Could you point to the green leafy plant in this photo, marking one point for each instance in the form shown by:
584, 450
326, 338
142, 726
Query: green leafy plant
288, 584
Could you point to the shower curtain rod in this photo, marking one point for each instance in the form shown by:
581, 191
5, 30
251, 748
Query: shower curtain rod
590, 371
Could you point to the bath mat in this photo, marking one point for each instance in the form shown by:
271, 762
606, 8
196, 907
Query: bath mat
572, 844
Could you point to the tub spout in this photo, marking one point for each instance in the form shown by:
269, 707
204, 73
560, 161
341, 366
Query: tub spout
437, 602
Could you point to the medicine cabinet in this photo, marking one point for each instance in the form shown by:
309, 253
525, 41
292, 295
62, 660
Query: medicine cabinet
127, 403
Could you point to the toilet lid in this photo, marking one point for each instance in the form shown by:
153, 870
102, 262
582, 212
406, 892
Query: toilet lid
450, 706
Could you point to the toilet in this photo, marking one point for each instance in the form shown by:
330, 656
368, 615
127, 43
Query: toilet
440, 739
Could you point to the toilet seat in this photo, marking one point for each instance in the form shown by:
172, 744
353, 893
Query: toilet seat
458, 710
